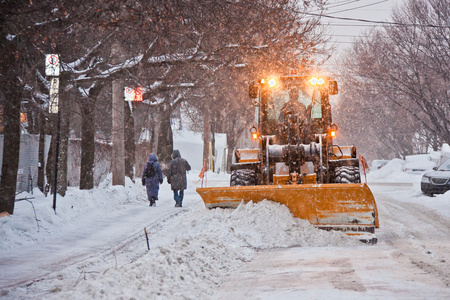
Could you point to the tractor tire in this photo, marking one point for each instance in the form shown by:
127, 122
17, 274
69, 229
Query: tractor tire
347, 174
243, 177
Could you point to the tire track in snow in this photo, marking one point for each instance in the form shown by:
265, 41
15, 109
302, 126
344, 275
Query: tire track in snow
418, 235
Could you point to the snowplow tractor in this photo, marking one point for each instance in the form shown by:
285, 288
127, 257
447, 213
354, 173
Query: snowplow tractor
296, 162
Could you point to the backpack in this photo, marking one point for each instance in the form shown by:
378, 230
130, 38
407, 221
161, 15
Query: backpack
149, 170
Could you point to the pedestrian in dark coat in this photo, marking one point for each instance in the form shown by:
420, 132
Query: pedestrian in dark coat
176, 176
152, 182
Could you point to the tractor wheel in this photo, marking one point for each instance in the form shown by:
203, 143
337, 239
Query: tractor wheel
347, 174
243, 177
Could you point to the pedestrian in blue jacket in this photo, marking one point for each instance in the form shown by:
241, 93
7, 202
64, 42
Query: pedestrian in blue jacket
152, 177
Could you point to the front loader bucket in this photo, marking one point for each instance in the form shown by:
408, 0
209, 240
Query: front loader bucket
347, 207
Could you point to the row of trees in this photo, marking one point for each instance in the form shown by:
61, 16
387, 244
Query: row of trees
200, 53
396, 83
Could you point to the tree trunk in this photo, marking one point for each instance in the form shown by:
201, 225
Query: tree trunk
206, 137
165, 138
87, 145
63, 143
213, 147
231, 145
118, 151
129, 141
11, 146
88, 130
155, 124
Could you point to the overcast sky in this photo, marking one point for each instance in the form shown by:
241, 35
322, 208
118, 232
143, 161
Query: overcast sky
343, 32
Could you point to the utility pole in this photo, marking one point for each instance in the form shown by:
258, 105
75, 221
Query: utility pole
52, 69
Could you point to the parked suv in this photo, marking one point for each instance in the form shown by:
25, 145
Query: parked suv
437, 181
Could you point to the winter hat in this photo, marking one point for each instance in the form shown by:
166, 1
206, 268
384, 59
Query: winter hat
152, 157
176, 154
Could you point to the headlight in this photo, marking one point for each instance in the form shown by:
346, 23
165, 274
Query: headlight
316, 81
425, 179
272, 82
313, 81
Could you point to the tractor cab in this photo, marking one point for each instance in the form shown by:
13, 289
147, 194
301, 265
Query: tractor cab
293, 108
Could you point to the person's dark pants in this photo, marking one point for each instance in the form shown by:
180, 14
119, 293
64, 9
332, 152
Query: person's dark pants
178, 196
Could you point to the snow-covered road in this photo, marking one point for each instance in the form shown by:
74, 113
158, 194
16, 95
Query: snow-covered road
95, 248
410, 261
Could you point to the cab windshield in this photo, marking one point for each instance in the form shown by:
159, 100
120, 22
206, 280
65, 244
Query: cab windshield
279, 98
292, 101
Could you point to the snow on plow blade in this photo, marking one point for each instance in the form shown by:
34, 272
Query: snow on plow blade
347, 207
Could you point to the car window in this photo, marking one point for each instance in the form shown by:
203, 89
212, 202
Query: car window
445, 166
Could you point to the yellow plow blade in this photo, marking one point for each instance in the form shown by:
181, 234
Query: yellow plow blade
346, 207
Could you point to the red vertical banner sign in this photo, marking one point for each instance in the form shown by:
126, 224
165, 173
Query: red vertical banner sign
138, 94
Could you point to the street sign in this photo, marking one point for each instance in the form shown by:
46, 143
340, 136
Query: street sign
129, 93
54, 96
52, 64
133, 94
138, 94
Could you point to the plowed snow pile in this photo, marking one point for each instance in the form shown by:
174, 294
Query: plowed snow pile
211, 245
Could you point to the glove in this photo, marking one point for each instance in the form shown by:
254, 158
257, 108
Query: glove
161, 181
143, 181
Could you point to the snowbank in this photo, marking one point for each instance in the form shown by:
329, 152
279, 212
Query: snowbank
444, 154
34, 221
214, 244
418, 163
394, 173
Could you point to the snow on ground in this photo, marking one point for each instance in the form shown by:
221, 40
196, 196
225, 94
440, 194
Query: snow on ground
34, 220
188, 258
393, 173
94, 246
